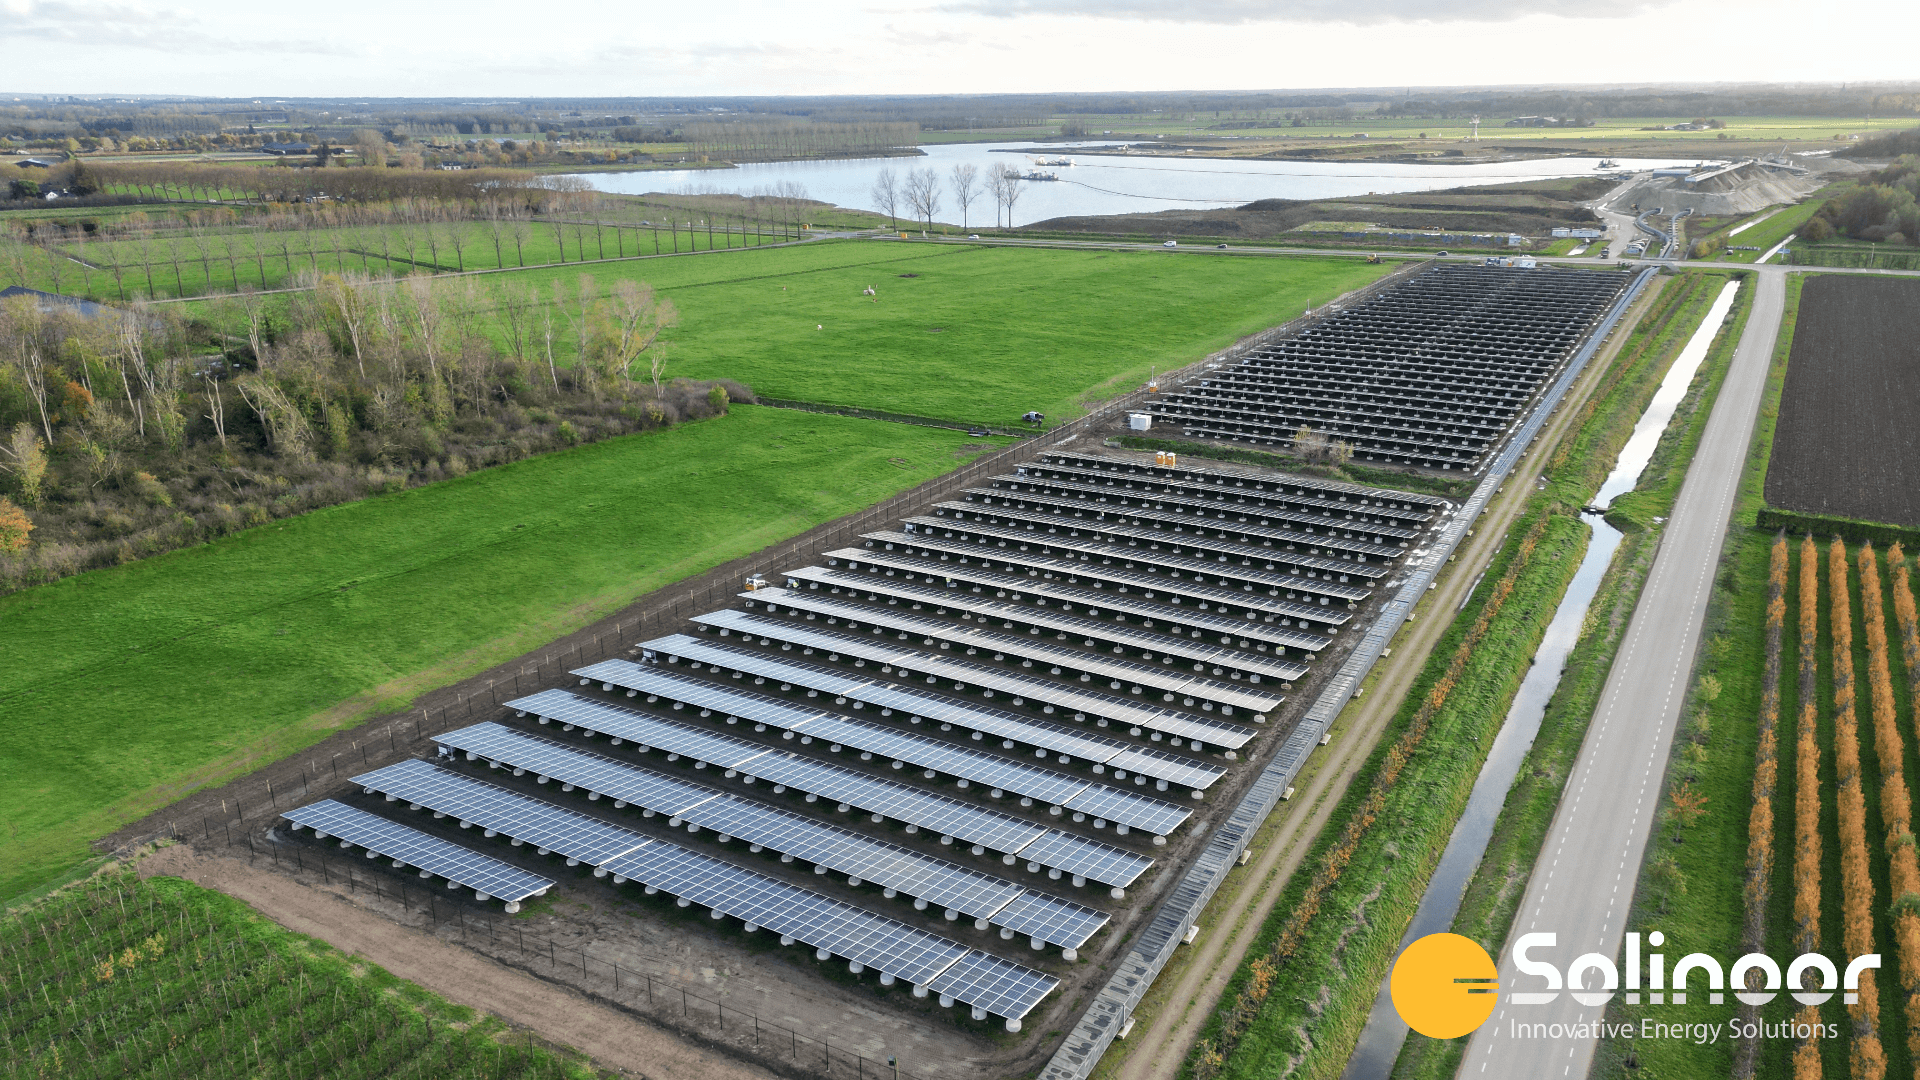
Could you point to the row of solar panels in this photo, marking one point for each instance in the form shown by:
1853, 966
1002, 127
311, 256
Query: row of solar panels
876, 649
1214, 485
1063, 792
989, 900
1041, 847
1058, 659
1204, 596
1149, 510
931, 963
1153, 617
487, 876
1074, 556
1045, 736
1276, 520
1176, 656
1119, 525
1173, 644
1144, 546
1136, 547
1222, 475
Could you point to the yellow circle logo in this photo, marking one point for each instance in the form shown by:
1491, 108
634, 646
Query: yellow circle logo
1443, 986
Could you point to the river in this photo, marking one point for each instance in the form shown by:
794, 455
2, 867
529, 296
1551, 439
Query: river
1142, 182
1385, 1033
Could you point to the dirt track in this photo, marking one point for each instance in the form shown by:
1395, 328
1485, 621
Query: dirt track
1187, 993
613, 1039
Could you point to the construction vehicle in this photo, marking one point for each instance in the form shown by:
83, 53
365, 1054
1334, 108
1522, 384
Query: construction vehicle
1373, 258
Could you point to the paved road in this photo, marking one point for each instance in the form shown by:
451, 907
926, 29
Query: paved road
1583, 883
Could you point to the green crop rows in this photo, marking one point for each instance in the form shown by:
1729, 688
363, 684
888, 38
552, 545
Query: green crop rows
161, 978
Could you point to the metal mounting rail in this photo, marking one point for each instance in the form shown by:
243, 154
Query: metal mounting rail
1136, 969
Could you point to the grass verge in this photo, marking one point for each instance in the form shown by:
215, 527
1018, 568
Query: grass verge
130, 687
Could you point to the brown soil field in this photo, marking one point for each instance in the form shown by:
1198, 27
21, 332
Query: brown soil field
1846, 441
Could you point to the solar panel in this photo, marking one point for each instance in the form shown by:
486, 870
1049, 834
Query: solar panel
928, 810
887, 945
893, 947
1075, 855
1206, 580
1011, 727
522, 817
1126, 808
484, 874
544, 757
1051, 919
1163, 678
1256, 523
1268, 519
876, 586
1153, 588
983, 518
975, 766
645, 729
888, 865
1300, 490
875, 650
998, 986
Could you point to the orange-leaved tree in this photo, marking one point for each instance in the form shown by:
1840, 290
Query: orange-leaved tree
1856, 882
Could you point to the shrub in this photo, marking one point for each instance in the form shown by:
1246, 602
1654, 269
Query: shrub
15, 526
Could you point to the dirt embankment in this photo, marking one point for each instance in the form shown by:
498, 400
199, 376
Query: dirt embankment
1533, 208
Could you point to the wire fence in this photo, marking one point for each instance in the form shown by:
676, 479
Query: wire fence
652, 995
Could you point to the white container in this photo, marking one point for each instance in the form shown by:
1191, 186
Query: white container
1140, 421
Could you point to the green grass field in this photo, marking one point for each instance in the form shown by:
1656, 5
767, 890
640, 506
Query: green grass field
164, 978
126, 688
1772, 230
975, 333
227, 258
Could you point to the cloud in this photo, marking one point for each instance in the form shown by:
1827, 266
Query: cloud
1369, 12
91, 25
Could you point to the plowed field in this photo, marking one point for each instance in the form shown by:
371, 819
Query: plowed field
1848, 441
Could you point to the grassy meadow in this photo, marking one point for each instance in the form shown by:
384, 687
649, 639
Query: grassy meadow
126, 688
961, 332
956, 332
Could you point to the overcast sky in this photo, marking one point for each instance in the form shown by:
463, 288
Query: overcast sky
486, 49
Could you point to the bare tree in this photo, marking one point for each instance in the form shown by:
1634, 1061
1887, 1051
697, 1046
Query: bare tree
1000, 181
1309, 443
886, 194
1014, 190
923, 195
966, 187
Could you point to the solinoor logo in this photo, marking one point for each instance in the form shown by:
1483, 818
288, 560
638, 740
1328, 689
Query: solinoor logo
1444, 986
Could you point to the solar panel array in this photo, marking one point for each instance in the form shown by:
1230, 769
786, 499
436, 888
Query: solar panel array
992, 830
937, 881
863, 937
1166, 635
1029, 648
1035, 683
485, 875
1429, 372
1117, 635
991, 680
908, 557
